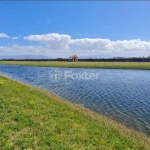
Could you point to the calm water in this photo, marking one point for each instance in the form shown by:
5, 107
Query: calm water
122, 95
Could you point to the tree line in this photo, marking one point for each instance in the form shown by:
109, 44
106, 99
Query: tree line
132, 59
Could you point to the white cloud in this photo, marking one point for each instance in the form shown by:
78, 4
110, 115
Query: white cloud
58, 41
91, 44
16, 49
61, 45
3, 35
106, 44
53, 40
30, 50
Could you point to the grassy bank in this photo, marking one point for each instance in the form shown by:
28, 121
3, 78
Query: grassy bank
32, 118
111, 65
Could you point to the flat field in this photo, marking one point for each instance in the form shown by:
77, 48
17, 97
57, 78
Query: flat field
110, 65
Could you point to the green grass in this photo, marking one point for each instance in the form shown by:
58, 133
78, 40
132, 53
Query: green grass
111, 65
31, 118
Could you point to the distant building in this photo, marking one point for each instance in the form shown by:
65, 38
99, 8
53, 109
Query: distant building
74, 58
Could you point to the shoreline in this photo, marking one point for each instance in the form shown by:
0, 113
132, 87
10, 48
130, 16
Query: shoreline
122, 130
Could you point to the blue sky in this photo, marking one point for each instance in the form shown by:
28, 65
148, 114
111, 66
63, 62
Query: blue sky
89, 29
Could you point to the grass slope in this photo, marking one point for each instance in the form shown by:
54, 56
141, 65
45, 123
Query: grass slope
32, 118
111, 65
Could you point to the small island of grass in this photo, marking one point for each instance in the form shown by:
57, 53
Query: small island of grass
63, 64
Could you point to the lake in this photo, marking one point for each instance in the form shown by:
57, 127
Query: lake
122, 95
